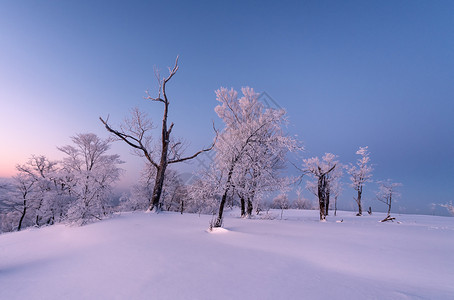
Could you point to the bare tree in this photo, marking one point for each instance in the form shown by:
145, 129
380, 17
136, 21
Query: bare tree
135, 135
386, 193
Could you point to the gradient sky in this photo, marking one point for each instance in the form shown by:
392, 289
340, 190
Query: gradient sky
349, 73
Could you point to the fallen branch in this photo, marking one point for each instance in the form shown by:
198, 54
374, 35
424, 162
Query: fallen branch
388, 218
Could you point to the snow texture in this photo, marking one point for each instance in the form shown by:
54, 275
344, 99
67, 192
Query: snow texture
173, 256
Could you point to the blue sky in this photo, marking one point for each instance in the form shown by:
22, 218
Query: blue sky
349, 73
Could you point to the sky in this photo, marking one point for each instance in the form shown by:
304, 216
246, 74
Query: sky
349, 73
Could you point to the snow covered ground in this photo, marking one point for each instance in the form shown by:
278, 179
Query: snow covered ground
172, 256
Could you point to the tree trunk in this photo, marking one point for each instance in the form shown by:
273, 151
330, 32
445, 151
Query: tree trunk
358, 200
250, 201
326, 202
249, 207
389, 206
23, 216
38, 217
181, 205
160, 172
321, 196
218, 222
243, 207
322, 209
157, 190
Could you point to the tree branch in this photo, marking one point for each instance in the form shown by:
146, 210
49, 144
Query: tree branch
192, 156
199, 152
126, 138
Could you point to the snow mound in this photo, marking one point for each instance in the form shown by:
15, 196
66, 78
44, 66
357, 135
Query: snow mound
217, 230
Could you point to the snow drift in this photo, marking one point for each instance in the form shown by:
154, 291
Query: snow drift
172, 256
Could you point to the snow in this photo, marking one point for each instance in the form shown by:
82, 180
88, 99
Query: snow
173, 256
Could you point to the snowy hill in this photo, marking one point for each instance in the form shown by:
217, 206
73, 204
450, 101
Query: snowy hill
172, 256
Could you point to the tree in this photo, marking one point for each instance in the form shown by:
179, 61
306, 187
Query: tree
36, 195
281, 202
250, 146
360, 174
336, 190
5, 224
43, 172
301, 202
386, 193
29, 196
90, 174
172, 190
135, 133
21, 200
326, 174
263, 204
258, 174
141, 192
204, 192
449, 207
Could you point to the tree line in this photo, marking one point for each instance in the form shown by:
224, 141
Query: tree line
76, 189
250, 155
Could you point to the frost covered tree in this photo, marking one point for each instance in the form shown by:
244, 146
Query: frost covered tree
267, 168
258, 174
43, 172
263, 204
250, 146
336, 190
387, 193
5, 224
21, 201
204, 193
36, 195
326, 173
173, 192
31, 192
301, 202
281, 202
136, 133
141, 192
449, 207
360, 174
89, 175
